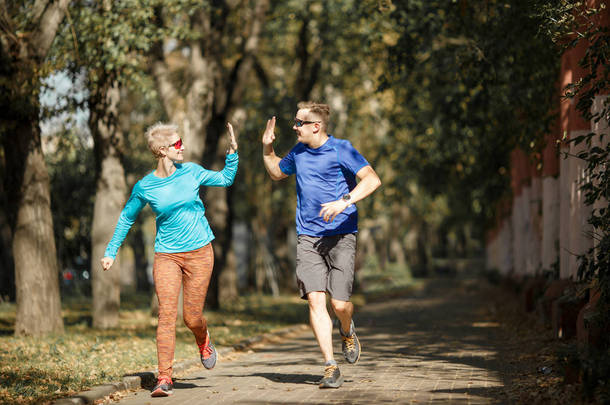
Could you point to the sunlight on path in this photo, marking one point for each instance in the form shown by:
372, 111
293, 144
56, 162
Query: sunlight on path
436, 348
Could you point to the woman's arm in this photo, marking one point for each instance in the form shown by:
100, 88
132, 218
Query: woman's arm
223, 178
126, 219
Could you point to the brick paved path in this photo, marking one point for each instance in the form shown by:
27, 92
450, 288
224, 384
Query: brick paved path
437, 347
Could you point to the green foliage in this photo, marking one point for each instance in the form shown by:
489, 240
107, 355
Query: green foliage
473, 81
106, 41
327, 51
573, 24
435, 94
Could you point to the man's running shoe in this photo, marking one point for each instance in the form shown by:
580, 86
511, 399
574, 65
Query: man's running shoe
350, 345
332, 377
208, 353
164, 387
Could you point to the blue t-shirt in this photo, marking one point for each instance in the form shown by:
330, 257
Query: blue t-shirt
181, 223
323, 175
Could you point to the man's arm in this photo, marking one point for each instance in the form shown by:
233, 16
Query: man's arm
368, 182
270, 159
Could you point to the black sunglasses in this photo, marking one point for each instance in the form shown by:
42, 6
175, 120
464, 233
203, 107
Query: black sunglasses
299, 123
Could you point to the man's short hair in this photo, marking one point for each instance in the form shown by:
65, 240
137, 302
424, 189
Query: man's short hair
322, 111
159, 135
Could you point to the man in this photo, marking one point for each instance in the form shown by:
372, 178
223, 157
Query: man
326, 169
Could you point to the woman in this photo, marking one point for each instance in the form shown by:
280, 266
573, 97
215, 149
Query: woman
183, 249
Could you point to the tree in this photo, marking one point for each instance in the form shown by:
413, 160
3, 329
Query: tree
107, 47
327, 51
471, 80
109, 197
7, 268
200, 80
71, 170
27, 32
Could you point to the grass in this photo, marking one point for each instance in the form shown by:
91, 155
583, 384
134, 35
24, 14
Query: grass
393, 281
40, 369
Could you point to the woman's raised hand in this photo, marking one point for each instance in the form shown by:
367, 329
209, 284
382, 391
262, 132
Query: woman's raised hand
232, 141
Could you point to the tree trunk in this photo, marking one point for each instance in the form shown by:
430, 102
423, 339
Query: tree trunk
109, 201
7, 267
36, 272
26, 178
141, 260
193, 111
211, 96
397, 251
218, 212
423, 250
128, 269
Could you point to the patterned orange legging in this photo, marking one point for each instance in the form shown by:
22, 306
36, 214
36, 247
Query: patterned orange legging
193, 270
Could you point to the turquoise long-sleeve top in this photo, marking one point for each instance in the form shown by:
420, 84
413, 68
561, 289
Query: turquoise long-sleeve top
180, 214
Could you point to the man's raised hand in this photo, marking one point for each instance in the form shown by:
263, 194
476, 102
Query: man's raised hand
268, 135
270, 159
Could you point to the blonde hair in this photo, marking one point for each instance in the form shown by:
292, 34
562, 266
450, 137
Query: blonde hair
158, 136
322, 111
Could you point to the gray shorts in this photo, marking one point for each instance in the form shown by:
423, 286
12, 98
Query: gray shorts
326, 264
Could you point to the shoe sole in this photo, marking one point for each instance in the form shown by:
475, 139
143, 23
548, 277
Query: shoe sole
353, 362
336, 384
161, 393
209, 368
213, 365
215, 351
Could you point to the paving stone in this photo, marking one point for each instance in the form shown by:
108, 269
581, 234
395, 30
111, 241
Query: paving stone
428, 349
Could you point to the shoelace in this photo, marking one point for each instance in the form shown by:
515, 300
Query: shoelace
206, 350
350, 342
329, 371
164, 379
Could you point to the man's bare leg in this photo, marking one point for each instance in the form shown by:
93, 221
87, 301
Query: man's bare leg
321, 323
344, 311
322, 327
351, 344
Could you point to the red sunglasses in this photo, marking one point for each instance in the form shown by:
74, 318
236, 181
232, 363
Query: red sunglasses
177, 145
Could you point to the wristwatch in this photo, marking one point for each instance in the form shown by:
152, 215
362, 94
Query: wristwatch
347, 198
